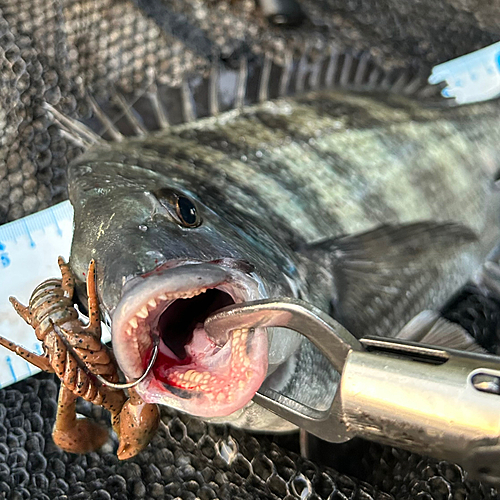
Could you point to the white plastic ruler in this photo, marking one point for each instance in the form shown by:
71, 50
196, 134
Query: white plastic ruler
29, 248
471, 78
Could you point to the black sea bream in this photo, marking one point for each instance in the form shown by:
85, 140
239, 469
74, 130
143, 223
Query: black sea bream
371, 206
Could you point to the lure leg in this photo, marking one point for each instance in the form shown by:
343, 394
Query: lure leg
39, 361
68, 280
138, 424
23, 311
113, 401
72, 434
94, 325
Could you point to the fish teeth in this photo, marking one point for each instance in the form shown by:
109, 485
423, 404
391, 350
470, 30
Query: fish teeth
143, 313
133, 322
153, 303
187, 295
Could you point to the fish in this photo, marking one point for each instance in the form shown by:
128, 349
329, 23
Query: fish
116, 44
372, 205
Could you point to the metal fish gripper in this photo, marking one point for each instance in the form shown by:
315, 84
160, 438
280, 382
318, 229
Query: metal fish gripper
433, 401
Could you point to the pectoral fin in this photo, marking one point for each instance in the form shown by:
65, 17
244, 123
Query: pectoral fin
429, 327
384, 277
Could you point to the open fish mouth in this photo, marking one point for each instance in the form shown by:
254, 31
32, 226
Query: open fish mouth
191, 372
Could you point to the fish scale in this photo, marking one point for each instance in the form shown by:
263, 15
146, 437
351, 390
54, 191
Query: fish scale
366, 152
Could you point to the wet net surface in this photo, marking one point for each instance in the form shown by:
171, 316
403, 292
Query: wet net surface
190, 459
187, 459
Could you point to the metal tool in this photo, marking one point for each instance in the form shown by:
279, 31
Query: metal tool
433, 401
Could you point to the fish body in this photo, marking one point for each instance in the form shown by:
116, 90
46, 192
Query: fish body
371, 207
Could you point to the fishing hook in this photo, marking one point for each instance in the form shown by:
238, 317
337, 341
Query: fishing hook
100, 378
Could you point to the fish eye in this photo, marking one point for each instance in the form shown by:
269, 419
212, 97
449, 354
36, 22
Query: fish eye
186, 210
180, 207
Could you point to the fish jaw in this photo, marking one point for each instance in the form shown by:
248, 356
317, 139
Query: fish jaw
191, 372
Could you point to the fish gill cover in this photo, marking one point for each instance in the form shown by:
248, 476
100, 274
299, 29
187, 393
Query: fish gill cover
76, 58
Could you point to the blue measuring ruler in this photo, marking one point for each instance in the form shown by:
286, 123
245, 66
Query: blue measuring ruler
29, 248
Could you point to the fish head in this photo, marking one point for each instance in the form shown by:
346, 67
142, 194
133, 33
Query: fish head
165, 262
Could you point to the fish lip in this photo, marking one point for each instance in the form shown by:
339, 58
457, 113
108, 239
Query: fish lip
185, 280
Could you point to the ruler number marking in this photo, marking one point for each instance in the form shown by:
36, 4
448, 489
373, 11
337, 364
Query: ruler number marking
4, 256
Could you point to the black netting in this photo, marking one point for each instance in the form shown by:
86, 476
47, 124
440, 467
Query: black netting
478, 313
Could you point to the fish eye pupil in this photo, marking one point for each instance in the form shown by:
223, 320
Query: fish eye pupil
179, 207
187, 211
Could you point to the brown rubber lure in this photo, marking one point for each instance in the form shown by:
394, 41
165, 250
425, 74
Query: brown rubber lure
75, 353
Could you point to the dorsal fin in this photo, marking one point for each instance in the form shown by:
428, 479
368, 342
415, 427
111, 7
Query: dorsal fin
227, 87
74, 130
